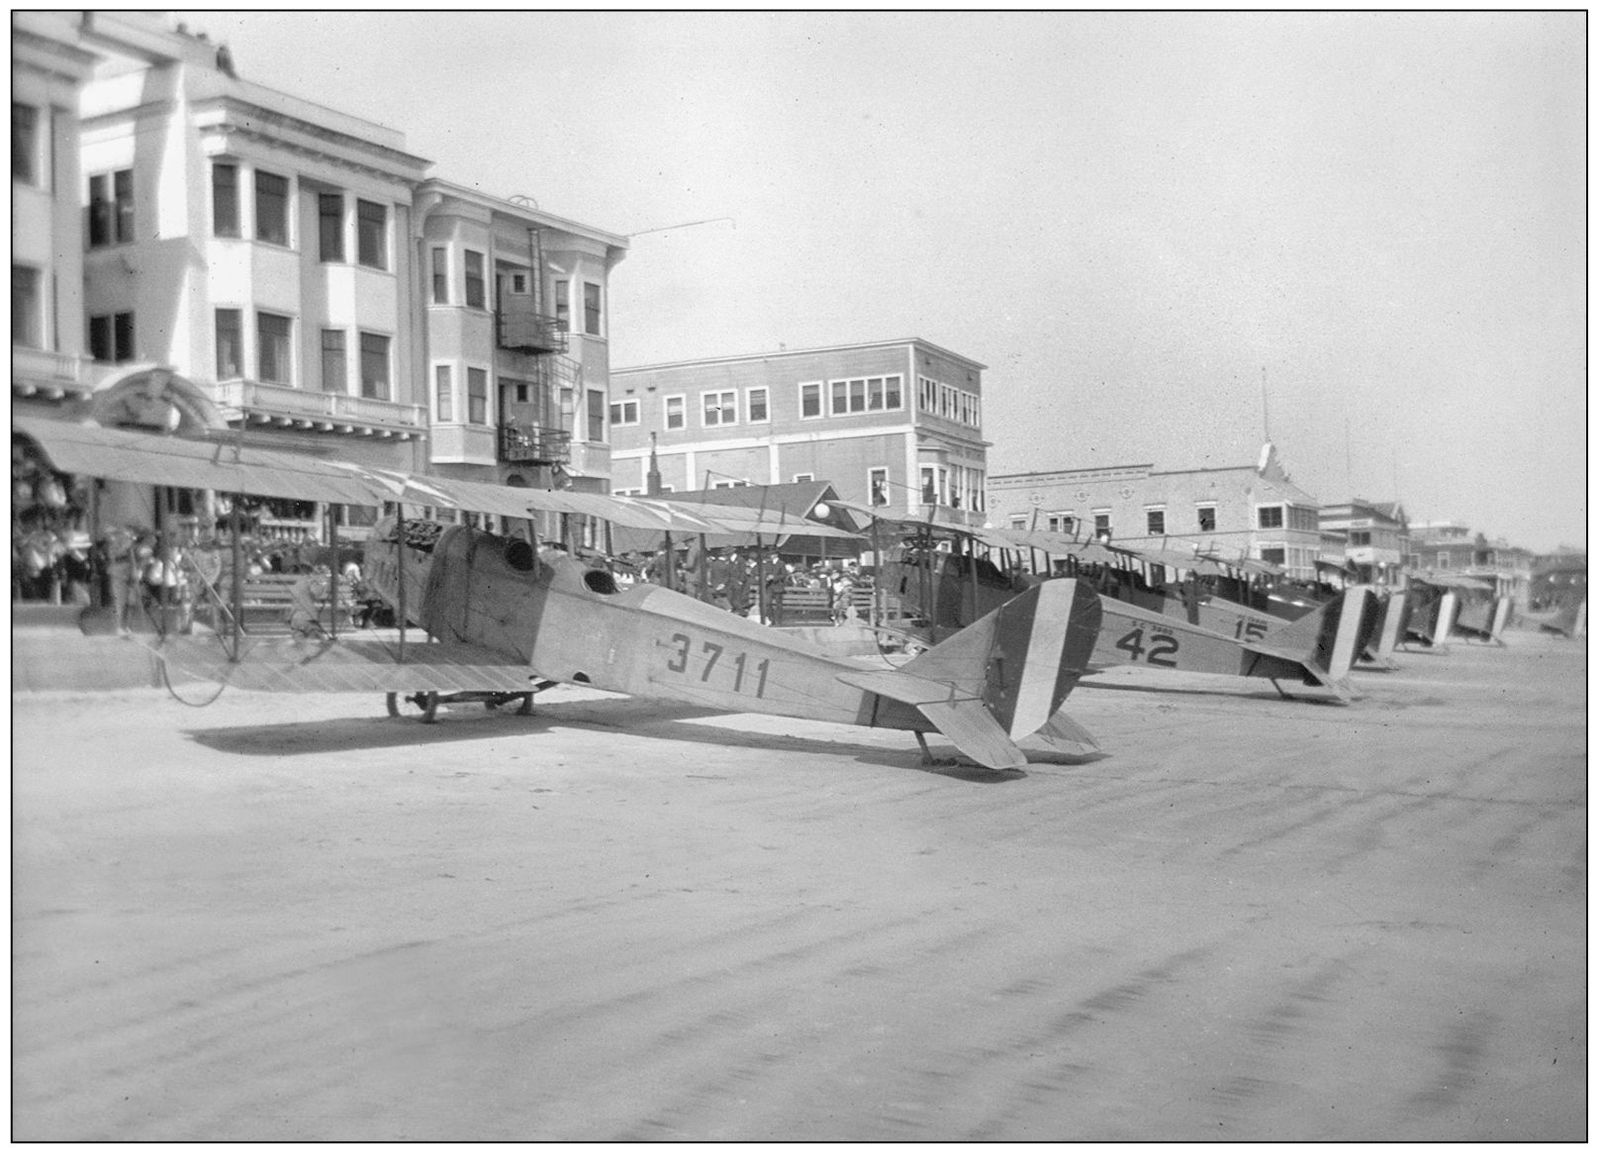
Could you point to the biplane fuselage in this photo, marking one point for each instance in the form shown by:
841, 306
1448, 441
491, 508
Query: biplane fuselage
573, 623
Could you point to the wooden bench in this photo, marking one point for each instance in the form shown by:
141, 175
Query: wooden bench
266, 601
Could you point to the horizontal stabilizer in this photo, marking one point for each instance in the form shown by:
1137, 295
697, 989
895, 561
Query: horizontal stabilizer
1063, 735
963, 719
310, 666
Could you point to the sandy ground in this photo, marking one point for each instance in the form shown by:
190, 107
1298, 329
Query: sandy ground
1250, 919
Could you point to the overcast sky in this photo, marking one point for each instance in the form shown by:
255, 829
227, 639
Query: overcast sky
1141, 223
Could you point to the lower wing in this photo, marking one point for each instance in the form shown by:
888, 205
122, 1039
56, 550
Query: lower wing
312, 666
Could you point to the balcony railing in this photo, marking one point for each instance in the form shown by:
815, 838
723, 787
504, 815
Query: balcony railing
41, 371
519, 328
535, 445
335, 412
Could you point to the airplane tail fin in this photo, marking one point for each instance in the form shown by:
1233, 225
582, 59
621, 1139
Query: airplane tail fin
1003, 677
1326, 639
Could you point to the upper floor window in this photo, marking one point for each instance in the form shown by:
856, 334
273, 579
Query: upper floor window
1207, 518
1103, 523
273, 351
230, 344
1271, 516
225, 199
376, 366
473, 279
812, 399
1444, 559
440, 268
372, 235
1155, 522
1358, 537
335, 371
596, 414
111, 208
865, 395
626, 412
330, 227
111, 337
24, 143
444, 393
879, 484
272, 208
673, 411
26, 327
757, 403
479, 396
592, 309
559, 301
719, 408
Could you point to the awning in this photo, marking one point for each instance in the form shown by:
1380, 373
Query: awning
150, 459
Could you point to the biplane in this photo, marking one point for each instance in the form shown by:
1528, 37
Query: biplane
1141, 624
1443, 605
508, 618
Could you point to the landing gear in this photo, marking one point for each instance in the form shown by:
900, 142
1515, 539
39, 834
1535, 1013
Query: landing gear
428, 702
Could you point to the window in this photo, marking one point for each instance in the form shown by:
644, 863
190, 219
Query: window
1155, 523
225, 199
718, 408
879, 486
111, 337
24, 143
1207, 519
230, 344
111, 208
626, 412
596, 411
1017, 522
757, 404
731, 483
272, 348
1060, 522
926, 484
559, 300
334, 370
1444, 559
592, 309
800, 477
372, 235
865, 395
1271, 516
479, 396
1274, 555
1358, 537
330, 227
673, 412
444, 393
812, 399
272, 208
376, 366
473, 279
1104, 524
518, 284
25, 313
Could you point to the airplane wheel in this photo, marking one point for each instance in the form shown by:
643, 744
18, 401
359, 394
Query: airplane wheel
428, 701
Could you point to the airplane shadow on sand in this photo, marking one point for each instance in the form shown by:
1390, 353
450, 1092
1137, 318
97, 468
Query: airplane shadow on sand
470, 722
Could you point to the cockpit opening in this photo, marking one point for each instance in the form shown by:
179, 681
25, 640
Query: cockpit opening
519, 555
600, 581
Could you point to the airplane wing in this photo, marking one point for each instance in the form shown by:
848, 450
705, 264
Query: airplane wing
963, 720
310, 666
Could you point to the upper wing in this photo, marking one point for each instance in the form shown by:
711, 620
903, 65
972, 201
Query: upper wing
299, 666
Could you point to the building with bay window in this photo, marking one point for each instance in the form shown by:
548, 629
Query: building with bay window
891, 424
